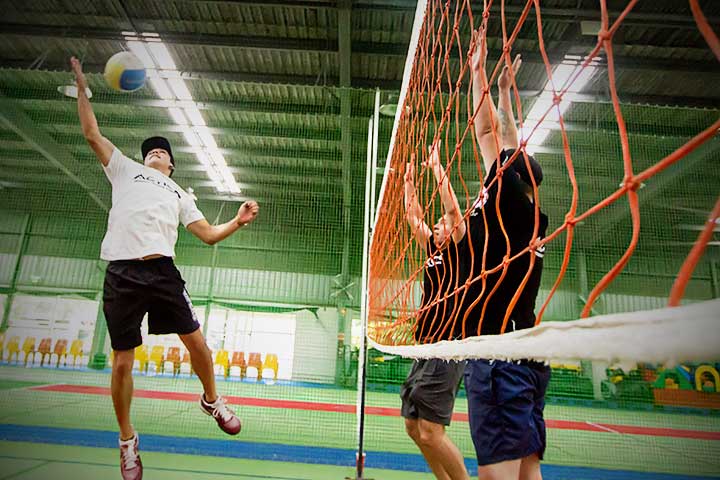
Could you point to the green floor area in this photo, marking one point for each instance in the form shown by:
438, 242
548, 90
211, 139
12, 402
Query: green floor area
298, 426
25, 461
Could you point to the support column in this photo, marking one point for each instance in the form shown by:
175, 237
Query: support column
344, 59
22, 247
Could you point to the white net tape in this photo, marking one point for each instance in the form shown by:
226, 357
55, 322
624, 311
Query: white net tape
683, 334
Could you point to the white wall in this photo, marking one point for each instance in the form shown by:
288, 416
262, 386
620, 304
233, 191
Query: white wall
316, 345
52, 316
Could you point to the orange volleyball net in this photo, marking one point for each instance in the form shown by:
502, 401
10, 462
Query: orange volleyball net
438, 106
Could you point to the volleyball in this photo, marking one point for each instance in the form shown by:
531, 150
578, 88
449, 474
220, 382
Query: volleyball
125, 72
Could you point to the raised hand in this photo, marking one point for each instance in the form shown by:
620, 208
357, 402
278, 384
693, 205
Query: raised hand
247, 212
410, 170
79, 75
480, 50
504, 80
433, 158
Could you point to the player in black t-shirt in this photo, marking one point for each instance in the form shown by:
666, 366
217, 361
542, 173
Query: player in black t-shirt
428, 394
505, 399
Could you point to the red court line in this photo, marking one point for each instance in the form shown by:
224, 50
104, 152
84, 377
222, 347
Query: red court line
381, 411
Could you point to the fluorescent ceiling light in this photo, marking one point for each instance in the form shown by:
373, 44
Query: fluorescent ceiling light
161, 88
177, 115
162, 56
196, 118
168, 84
562, 74
179, 88
138, 48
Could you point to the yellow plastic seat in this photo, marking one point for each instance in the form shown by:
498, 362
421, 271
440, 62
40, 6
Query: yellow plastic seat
141, 356
271, 363
28, 348
157, 357
222, 360
13, 348
76, 350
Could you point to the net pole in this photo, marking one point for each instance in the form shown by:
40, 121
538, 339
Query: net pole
375, 146
420, 11
362, 354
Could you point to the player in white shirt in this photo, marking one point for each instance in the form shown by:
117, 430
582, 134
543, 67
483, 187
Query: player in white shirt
147, 207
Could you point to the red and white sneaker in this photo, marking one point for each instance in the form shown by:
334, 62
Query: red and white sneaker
225, 418
130, 463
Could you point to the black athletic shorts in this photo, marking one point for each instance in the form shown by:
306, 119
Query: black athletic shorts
430, 389
136, 287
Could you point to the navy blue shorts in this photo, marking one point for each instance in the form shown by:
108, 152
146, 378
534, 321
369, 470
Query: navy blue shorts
505, 409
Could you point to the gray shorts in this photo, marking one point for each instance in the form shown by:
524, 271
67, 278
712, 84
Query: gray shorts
430, 389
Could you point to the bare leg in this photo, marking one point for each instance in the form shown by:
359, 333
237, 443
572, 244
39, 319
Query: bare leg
507, 470
121, 387
412, 427
202, 363
530, 468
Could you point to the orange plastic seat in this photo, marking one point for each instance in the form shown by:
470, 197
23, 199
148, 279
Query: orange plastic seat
44, 349
29, 348
271, 363
255, 361
60, 351
173, 357
238, 360
186, 360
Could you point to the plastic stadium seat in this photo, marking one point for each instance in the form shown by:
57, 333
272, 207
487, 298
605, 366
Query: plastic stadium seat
29, 348
271, 363
60, 351
157, 357
141, 358
255, 361
44, 349
76, 350
13, 348
186, 361
221, 361
172, 360
238, 361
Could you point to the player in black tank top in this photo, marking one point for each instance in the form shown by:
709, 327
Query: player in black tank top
428, 394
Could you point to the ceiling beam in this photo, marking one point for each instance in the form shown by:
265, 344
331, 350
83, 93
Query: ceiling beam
332, 47
658, 20
608, 223
13, 118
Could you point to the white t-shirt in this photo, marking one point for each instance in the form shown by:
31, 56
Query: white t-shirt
147, 207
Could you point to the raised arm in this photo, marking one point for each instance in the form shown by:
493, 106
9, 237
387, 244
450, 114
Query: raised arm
102, 147
447, 195
413, 211
505, 110
486, 117
212, 234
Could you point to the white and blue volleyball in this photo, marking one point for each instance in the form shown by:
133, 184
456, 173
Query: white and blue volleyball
125, 72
